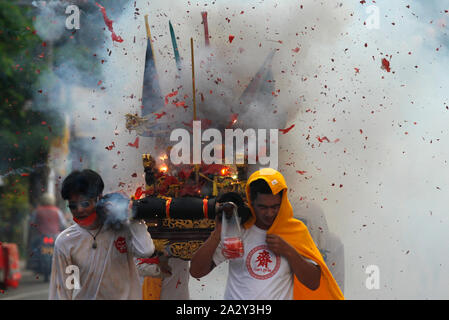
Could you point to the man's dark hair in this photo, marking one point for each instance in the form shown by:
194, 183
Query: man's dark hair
259, 186
87, 183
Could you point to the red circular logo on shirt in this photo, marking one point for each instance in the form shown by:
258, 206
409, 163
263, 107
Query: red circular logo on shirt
261, 263
120, 244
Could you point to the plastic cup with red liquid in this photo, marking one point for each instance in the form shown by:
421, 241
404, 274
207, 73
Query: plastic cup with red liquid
231, 233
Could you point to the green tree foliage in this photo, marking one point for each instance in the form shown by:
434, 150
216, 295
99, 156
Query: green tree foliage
14, 208
25, 134
31, 69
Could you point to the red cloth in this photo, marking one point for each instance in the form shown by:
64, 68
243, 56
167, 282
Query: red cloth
148, 260
12, 269
47, 220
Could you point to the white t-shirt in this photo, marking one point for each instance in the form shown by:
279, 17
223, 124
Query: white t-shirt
259, 274
176, 286
107, 272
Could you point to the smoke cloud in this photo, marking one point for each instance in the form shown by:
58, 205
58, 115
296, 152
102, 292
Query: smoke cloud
381, 173
368, 146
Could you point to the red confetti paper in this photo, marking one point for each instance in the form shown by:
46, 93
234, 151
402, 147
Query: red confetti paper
284, 131
111, 146
180, 104
322, 139
135, 144
108, 23
159, 115
170, 95
231, 37
386, 65
116, 38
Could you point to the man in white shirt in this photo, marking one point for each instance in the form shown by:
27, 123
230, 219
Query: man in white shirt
92, 260
260, 274
269, 263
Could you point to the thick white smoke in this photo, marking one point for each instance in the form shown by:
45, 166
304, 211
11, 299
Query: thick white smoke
382, 183
368, 146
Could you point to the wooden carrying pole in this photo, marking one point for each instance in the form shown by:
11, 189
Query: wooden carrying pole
197, 168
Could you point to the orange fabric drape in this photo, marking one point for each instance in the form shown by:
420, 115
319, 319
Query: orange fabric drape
296, 234
151, 288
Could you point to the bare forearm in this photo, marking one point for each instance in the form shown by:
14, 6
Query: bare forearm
202, 263
306, 272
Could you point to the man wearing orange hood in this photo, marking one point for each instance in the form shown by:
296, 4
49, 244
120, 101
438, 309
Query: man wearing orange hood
280, 259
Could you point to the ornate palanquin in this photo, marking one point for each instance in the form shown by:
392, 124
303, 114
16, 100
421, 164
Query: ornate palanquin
178, 204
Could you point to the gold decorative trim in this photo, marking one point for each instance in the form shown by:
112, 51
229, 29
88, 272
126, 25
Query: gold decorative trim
185, 250
160, 244
188, 224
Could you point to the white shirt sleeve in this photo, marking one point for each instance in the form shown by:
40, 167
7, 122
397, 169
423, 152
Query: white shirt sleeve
58, 288
141, 244
62, 221
147, 269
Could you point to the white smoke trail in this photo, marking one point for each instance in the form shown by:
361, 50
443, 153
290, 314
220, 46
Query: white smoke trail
382, 184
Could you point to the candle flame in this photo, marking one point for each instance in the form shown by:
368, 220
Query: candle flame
224, 171
163, 168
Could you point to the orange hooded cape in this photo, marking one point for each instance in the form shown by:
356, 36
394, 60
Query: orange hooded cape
296, 234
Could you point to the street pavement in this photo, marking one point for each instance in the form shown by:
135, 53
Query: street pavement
33, 287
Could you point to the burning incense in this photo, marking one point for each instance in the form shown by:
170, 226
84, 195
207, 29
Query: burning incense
193, 79
194, 102
147, 26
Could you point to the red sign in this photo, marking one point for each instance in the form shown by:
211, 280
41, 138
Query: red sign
120, 245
